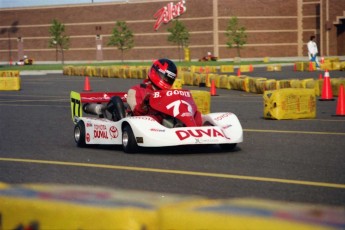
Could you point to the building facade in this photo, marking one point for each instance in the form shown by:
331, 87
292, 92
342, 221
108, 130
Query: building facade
274, 28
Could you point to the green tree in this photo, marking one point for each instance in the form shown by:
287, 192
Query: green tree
178, 35
236, 35
58, 39
122, 37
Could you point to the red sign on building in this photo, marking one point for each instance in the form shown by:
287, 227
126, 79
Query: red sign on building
169, 12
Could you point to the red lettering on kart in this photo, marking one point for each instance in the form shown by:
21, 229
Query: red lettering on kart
114, 133
100, 134
100, 127
142, 118
88, 137
184, 134
222, 116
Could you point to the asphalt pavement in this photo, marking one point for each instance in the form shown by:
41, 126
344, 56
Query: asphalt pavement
291, 160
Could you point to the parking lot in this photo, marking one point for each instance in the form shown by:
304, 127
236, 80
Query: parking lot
291, 160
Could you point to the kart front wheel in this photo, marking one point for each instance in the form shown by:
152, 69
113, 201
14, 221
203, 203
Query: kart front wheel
129, 143
79, 134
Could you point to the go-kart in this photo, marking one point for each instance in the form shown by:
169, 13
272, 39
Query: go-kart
110, 122
25, 61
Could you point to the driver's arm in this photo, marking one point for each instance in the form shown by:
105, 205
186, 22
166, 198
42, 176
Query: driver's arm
137, 100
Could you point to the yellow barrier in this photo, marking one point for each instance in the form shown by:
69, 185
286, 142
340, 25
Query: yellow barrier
202, 100
76, 207
252, 84
289, 104
224, 82
37, 206
197, 78
203, 75
209, 78
177, 84
342, 65
9, 73
245, 68
226, 68
274, 68
299, 66
335, 83
311, 84
10, 80
249, 214
188, 78
336, 66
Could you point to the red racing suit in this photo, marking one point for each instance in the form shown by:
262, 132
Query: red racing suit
137, 99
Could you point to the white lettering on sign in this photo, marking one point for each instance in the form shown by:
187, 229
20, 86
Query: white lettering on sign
184, 134
169, 12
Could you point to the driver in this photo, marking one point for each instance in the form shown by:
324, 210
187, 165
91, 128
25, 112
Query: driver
161, 76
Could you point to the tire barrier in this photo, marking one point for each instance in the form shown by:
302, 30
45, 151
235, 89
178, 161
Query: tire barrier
9, 80
53, 206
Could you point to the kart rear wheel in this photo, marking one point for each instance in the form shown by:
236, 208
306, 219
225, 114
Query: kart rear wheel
228, 147
79, 134
129, 143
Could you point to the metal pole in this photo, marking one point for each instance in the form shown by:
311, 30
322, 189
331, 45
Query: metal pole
9, 47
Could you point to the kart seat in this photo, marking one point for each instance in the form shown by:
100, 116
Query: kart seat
116, 108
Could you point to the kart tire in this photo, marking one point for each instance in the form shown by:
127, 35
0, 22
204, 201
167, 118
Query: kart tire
116, 108
129, 143
79, 134
228, 147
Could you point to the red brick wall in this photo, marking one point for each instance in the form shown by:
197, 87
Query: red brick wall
271, 26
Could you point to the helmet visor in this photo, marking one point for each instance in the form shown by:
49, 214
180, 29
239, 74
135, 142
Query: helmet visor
166, 78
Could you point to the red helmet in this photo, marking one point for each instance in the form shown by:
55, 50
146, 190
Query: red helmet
163, 73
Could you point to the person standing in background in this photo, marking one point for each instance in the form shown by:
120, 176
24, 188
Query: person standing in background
313, 51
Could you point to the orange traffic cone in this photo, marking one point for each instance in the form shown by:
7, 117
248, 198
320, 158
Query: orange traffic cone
213, 88
239, 72
207, 70
341, 102
87, 84
251, 69
311, 67
322, 60
294, 67
327, 94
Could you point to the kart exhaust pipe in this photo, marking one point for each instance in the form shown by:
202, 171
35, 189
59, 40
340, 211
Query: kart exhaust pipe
94, 109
